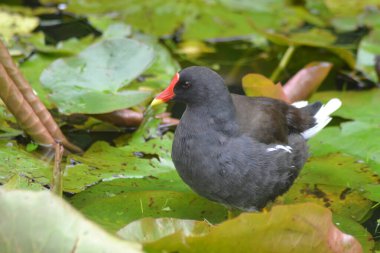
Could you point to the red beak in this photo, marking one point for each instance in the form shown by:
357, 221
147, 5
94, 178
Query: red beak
168, 93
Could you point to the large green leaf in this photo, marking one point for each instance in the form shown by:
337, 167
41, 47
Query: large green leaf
117, 202
32, 69
294, 228
98, 73
41, 222
360, 144
103, 162
201, 19
314, 38
361, 105
21, 182
335, 181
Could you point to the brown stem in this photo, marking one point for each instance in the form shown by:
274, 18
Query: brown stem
56, 185
12, 80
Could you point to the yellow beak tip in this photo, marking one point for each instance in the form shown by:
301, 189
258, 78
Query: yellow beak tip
157, 101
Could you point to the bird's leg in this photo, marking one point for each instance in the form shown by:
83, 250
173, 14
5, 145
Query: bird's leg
230, 214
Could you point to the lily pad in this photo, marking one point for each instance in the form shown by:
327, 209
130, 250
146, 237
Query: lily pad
361, 105
32, 69
117, 202
16, 160
12, 23
64, 229
367, 52
335, 181
20, 182
294, 228
98, 73
103, 162
360, 144
150, 229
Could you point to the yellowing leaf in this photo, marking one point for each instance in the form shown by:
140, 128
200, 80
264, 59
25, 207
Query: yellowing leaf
13, 23
259, 86
291, 228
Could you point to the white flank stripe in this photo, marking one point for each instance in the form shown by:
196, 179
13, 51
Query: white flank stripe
300, 104
278, 147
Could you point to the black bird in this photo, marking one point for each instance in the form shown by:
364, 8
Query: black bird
236, 150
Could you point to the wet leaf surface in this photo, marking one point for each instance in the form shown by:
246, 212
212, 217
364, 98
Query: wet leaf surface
64, 229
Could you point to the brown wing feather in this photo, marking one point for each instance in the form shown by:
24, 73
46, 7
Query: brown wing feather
271, 121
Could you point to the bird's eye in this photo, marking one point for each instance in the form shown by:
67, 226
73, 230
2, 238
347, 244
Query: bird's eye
186, 85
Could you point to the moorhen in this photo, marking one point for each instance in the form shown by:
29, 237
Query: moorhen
236, 150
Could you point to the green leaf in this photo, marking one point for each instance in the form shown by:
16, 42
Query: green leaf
32, 69
15, 161
361, 105
93, 102
103, 162
13, 23
21, 182
366, 150
367, 51
351, 227
98, 73
51, 225
313, 38
335, 181
294, 228
117, 202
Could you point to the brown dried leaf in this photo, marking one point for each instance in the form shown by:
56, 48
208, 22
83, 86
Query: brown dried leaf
258, 85
124, 117
130, 118
306, 81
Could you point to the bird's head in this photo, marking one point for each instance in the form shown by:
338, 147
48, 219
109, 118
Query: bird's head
192, 85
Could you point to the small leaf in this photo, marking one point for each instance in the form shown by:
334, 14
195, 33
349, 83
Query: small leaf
258, 85
30, 147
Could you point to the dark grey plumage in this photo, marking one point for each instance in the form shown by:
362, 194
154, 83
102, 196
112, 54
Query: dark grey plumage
237, 150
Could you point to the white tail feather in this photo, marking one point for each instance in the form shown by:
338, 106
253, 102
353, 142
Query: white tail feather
322, 117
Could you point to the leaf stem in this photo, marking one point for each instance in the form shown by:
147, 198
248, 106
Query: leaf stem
283, 63
56, 180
